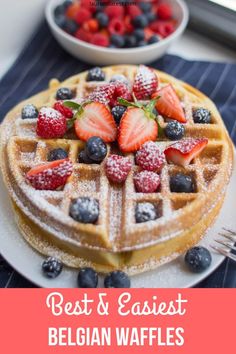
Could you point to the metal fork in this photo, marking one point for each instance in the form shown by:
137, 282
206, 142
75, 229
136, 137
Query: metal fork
228, 244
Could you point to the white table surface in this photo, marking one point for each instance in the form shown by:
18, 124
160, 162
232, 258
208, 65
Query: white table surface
18, 19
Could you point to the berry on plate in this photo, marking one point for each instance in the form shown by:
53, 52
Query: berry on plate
146, 182
184, 151
145, 212
117, 279
84, 210
29, 112
95, 119
51, 175
51, 267
198, 259
169, 104
145, 83
64, 93
202, 116
50, 123
117, 168
65, 111
137, 125
95, 74
150, 157
57, 154
181, 183
174, 130
87, 278
95, 149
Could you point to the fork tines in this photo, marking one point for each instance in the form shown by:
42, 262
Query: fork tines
228, 245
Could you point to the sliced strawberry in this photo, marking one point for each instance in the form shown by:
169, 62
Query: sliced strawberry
145, 83
169, 104
136, 127
184, 151
96, 120
51, 175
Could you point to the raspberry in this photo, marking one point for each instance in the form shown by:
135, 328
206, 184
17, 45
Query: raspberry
89, 5
50, 123
148, 33
83, 35
65, 111
163, 28
91, 25
50, 176
146, 182
117, 168
116, 26
82, 16
114, 11
150, 157
145, 83
133, 11
164, 12
103, 94
121, 91
100, 39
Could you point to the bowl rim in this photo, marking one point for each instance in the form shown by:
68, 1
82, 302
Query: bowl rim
182, 25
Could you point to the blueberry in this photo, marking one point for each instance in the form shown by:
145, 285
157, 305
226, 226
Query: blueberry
60, 21
130, 41
117, 279
117, 40
102, 19
117, 112
198, 259
140, 21
150, 17
139, 34
67, 3
145, 6
174, 130
96, 149
202, 116
153, 39
145, 212
87, 278
52, 267
70, 26
29, 112
59, 10
120, 78
141, 43
181, 183
64, 93
95, 74
57, 154
83, 158
84, 210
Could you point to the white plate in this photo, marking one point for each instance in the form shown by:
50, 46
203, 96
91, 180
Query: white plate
172, 275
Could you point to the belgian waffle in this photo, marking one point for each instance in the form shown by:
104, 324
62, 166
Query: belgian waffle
116, 240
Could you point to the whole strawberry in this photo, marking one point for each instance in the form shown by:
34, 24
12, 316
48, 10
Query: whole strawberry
51, 175
145, 83
117, 168
51, 123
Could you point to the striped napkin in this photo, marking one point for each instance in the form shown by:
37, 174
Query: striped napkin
43, 59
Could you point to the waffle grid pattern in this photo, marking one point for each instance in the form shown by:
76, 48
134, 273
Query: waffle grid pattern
117, 203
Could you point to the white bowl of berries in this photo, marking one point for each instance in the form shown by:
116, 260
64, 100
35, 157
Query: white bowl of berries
110, 33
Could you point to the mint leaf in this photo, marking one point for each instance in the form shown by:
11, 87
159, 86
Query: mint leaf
72, 105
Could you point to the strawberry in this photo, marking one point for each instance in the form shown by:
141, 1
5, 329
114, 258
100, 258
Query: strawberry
169, 104
65, 111
146, 182
145, 83
184, 151
51, 175
137, 126
117, 168
103, 94
95, 119
150, 157
50, 123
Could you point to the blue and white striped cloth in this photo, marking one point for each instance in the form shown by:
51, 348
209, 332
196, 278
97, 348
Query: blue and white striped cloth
43, 59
